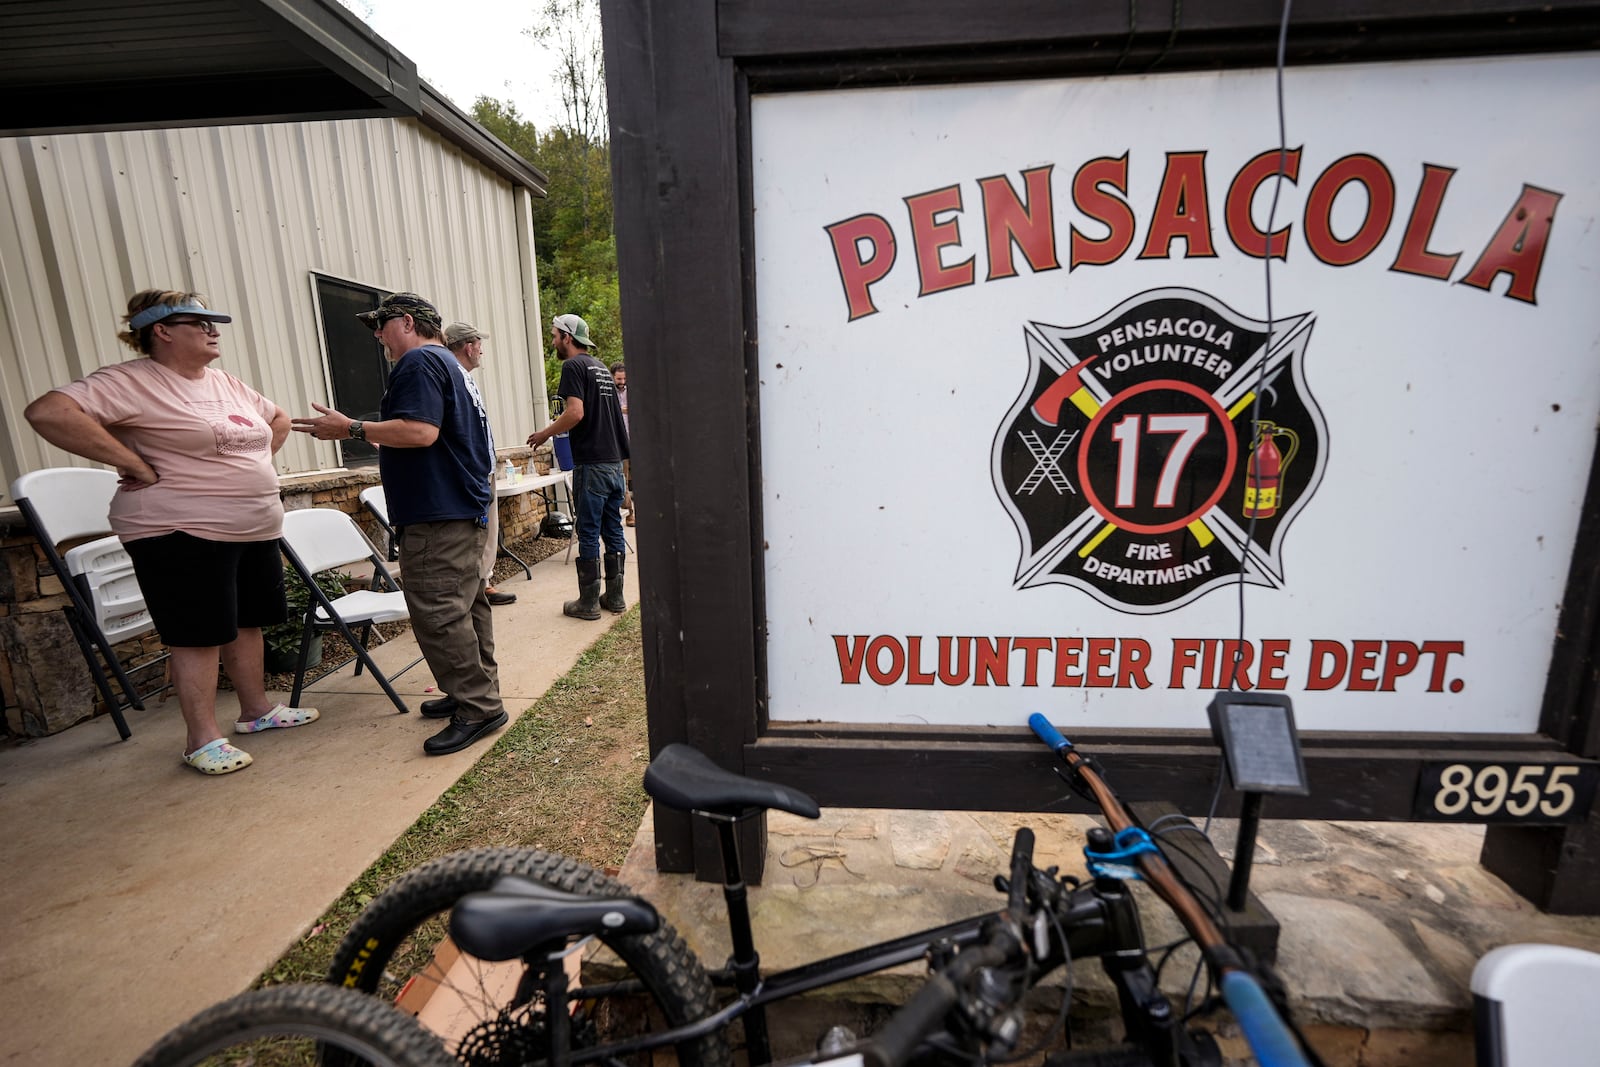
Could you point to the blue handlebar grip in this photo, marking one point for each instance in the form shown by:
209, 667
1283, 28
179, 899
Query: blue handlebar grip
1047, 733
1269, 1037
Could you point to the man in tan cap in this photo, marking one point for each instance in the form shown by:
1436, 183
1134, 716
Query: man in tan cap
465, 342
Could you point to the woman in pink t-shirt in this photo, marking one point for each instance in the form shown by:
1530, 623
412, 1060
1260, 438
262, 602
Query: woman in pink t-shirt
197, 507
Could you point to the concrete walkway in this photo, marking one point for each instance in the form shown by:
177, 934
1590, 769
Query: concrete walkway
139, 892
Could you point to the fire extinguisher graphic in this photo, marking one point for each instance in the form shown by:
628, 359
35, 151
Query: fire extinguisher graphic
1264, 473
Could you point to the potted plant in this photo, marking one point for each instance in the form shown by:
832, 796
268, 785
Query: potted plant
282, 640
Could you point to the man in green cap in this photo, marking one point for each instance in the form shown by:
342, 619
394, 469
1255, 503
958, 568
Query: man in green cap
592, 418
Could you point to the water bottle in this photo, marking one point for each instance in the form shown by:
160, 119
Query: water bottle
510, 473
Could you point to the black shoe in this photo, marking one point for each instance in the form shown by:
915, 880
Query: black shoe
498, 598
442, 708
458, 735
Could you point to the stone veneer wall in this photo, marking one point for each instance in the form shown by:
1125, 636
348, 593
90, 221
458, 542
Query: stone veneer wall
45, 684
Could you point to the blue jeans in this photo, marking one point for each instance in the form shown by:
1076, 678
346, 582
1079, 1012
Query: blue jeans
597, 491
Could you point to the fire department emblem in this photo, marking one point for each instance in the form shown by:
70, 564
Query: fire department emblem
1160, 451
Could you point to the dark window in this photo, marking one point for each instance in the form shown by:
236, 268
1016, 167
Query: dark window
355, 359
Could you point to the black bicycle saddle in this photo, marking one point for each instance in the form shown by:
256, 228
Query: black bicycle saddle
519, 915
684, 778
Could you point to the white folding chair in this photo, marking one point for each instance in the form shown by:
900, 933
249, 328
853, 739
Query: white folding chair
62, 504
1534, 1006
377, 504
320, 539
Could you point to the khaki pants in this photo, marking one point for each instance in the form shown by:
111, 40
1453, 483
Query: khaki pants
440, 568
491, 544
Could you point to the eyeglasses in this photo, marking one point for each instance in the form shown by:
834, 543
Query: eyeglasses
205, 326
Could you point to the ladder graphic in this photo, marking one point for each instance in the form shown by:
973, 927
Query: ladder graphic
1046, 462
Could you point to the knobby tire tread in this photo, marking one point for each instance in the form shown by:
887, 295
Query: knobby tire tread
352, 1021
677, 981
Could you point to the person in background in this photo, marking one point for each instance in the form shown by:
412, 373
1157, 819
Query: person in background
434, 455
592, 418
619, 374
197, 506
466, 344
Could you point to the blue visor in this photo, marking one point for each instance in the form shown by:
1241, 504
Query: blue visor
160, 311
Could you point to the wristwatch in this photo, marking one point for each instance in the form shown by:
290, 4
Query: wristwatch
357, 432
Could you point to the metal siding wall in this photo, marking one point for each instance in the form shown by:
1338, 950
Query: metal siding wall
245, 214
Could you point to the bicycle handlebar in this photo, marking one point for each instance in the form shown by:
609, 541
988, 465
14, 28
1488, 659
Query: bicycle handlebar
1046, 732
1269, 1036
924, 1013
1270, 1039
1021, 866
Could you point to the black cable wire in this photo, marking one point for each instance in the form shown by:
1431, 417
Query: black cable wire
1133, 27
1261, 372
1060, 1023
1179, 820
1166, 955
1247, 546
1194, 979
1211, 901
1277, 188
1172, 36
1216, 794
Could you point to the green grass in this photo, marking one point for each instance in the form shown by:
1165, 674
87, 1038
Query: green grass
566, 778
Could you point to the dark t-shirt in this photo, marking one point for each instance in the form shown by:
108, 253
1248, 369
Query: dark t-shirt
449, 479
600, 436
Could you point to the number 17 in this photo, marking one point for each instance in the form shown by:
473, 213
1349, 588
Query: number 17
1189, 428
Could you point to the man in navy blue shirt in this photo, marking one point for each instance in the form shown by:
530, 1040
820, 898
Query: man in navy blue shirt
434, 455
593, 418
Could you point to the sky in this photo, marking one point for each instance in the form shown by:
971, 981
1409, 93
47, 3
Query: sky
472, 48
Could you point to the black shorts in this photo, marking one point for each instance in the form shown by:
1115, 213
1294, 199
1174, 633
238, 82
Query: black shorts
201, 592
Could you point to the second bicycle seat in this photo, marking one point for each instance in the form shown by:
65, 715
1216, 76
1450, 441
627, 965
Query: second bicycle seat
519, 915
684, 778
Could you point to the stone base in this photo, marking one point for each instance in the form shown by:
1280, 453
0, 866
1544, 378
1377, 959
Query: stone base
1381, 923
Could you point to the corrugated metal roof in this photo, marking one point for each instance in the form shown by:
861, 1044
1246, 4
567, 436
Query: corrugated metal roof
76, 66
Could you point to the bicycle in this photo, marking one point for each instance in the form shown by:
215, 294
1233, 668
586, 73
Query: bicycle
286, 1025
529, 911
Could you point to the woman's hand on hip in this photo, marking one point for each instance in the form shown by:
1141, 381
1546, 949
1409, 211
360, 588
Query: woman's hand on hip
137, 476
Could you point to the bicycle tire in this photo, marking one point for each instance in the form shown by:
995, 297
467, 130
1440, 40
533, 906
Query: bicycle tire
668, 969
295, 1024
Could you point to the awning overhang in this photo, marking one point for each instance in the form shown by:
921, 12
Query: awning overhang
84, 66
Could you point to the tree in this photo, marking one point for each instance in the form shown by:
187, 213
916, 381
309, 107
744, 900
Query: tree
575, 252
571, 29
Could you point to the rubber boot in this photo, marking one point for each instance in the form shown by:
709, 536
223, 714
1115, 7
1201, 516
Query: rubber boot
587, 606
612, 599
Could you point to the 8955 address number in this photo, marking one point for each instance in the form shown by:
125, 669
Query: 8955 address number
1505, 792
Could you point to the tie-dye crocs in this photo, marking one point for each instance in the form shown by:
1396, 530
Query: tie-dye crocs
281, 717
218, 757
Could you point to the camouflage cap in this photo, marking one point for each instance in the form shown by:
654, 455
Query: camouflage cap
397, 304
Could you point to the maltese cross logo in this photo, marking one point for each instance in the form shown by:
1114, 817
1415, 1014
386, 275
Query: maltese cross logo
1159, 451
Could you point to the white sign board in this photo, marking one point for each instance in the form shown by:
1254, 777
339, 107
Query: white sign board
1029, 442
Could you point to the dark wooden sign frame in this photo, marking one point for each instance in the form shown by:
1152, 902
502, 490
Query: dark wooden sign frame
680, 78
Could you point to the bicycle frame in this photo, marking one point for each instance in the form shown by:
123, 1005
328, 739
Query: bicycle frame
1101, 921
1048, 922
